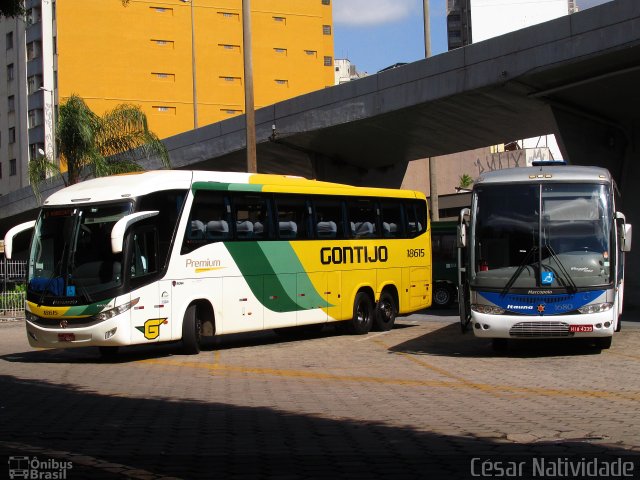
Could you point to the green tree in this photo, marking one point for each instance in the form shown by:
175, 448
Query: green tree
465, 181
97, 146
11, 8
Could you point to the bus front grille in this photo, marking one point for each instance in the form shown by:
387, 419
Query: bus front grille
540, 329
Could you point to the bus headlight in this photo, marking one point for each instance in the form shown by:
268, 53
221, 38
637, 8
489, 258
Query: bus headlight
107, 314
489, 309
30, 316
596, 308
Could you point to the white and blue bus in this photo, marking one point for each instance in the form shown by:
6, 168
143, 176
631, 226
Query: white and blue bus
541, 255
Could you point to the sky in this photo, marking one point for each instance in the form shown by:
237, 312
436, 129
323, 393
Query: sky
374, 34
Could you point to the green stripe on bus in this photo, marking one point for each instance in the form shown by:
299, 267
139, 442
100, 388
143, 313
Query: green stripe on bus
233, 187
88, 310
275, 275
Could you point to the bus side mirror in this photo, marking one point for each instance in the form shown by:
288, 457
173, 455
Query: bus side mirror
626, 238
624, 232
11, 234
119, 229
463, 219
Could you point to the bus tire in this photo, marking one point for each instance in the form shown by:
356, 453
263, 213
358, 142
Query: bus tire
386, 311
191, 331
108, 352
362, 320
442, 295
603, 343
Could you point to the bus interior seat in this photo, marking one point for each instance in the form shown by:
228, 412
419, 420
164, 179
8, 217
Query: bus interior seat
217, 229
244, 229
258, 229
390, 229
288, 229
327, 229
363, 230
196, 230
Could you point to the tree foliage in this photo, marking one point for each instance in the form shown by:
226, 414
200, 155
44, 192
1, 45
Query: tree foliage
11, 8
90, 145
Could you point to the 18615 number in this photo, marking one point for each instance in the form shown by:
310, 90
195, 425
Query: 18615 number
415, 252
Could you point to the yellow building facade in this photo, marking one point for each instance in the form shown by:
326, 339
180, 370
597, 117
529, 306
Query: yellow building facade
142, 53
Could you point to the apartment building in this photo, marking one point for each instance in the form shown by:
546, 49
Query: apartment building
181, 61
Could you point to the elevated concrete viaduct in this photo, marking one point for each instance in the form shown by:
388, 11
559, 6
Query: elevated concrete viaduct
576, 76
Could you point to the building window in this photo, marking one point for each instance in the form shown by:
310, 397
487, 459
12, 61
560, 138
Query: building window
162, 43
229, 47
326, 29
34, 150
328, 61
163, 10
33, 50
230, 111
281, 51
164, 77
11, 103
13, 170
12, 134
311, 53
229, 16
282, 20
281, 81
9, 40
326, 2
164, 110
10, 72
34, 82
35, 117
33, 15
231, 80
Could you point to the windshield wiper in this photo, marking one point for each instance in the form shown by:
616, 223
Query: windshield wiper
570, 285
517, 273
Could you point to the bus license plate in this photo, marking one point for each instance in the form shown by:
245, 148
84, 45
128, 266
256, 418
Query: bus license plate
580, 328
66, 337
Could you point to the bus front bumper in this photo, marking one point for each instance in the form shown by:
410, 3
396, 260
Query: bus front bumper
543, 326
107, 333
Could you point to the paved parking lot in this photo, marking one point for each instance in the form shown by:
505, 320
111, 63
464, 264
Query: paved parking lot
420, 401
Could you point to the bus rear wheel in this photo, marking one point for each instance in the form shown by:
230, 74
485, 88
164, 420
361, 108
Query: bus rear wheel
191, 331
386, 311
362, 319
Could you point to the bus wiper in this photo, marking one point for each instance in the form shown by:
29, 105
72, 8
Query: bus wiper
570, 285
517, 273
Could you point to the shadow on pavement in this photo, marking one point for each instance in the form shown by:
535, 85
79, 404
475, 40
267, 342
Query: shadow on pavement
113, 436
449, 341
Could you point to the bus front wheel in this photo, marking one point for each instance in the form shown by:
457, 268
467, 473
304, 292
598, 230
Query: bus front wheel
362, 319
385, 315
191, 331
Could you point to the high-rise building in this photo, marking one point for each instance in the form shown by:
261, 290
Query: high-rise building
476, 20
180, 60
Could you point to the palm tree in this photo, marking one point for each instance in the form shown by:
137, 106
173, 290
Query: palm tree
465, 181
98, 146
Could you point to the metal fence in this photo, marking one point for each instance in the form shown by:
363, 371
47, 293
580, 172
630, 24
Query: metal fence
12, 270
12, 303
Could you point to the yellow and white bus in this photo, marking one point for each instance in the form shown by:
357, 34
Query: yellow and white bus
179, 255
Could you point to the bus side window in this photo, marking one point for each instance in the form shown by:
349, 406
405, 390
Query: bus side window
292, 217
329, 222
416, 215
362, 218
208, 220
251, 215
144, 258
392, 224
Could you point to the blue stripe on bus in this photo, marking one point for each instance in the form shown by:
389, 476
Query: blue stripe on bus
553, 304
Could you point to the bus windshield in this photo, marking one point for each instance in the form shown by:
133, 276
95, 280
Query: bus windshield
549, 235
71, 251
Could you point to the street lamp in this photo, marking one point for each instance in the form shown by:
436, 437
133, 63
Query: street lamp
53, 123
